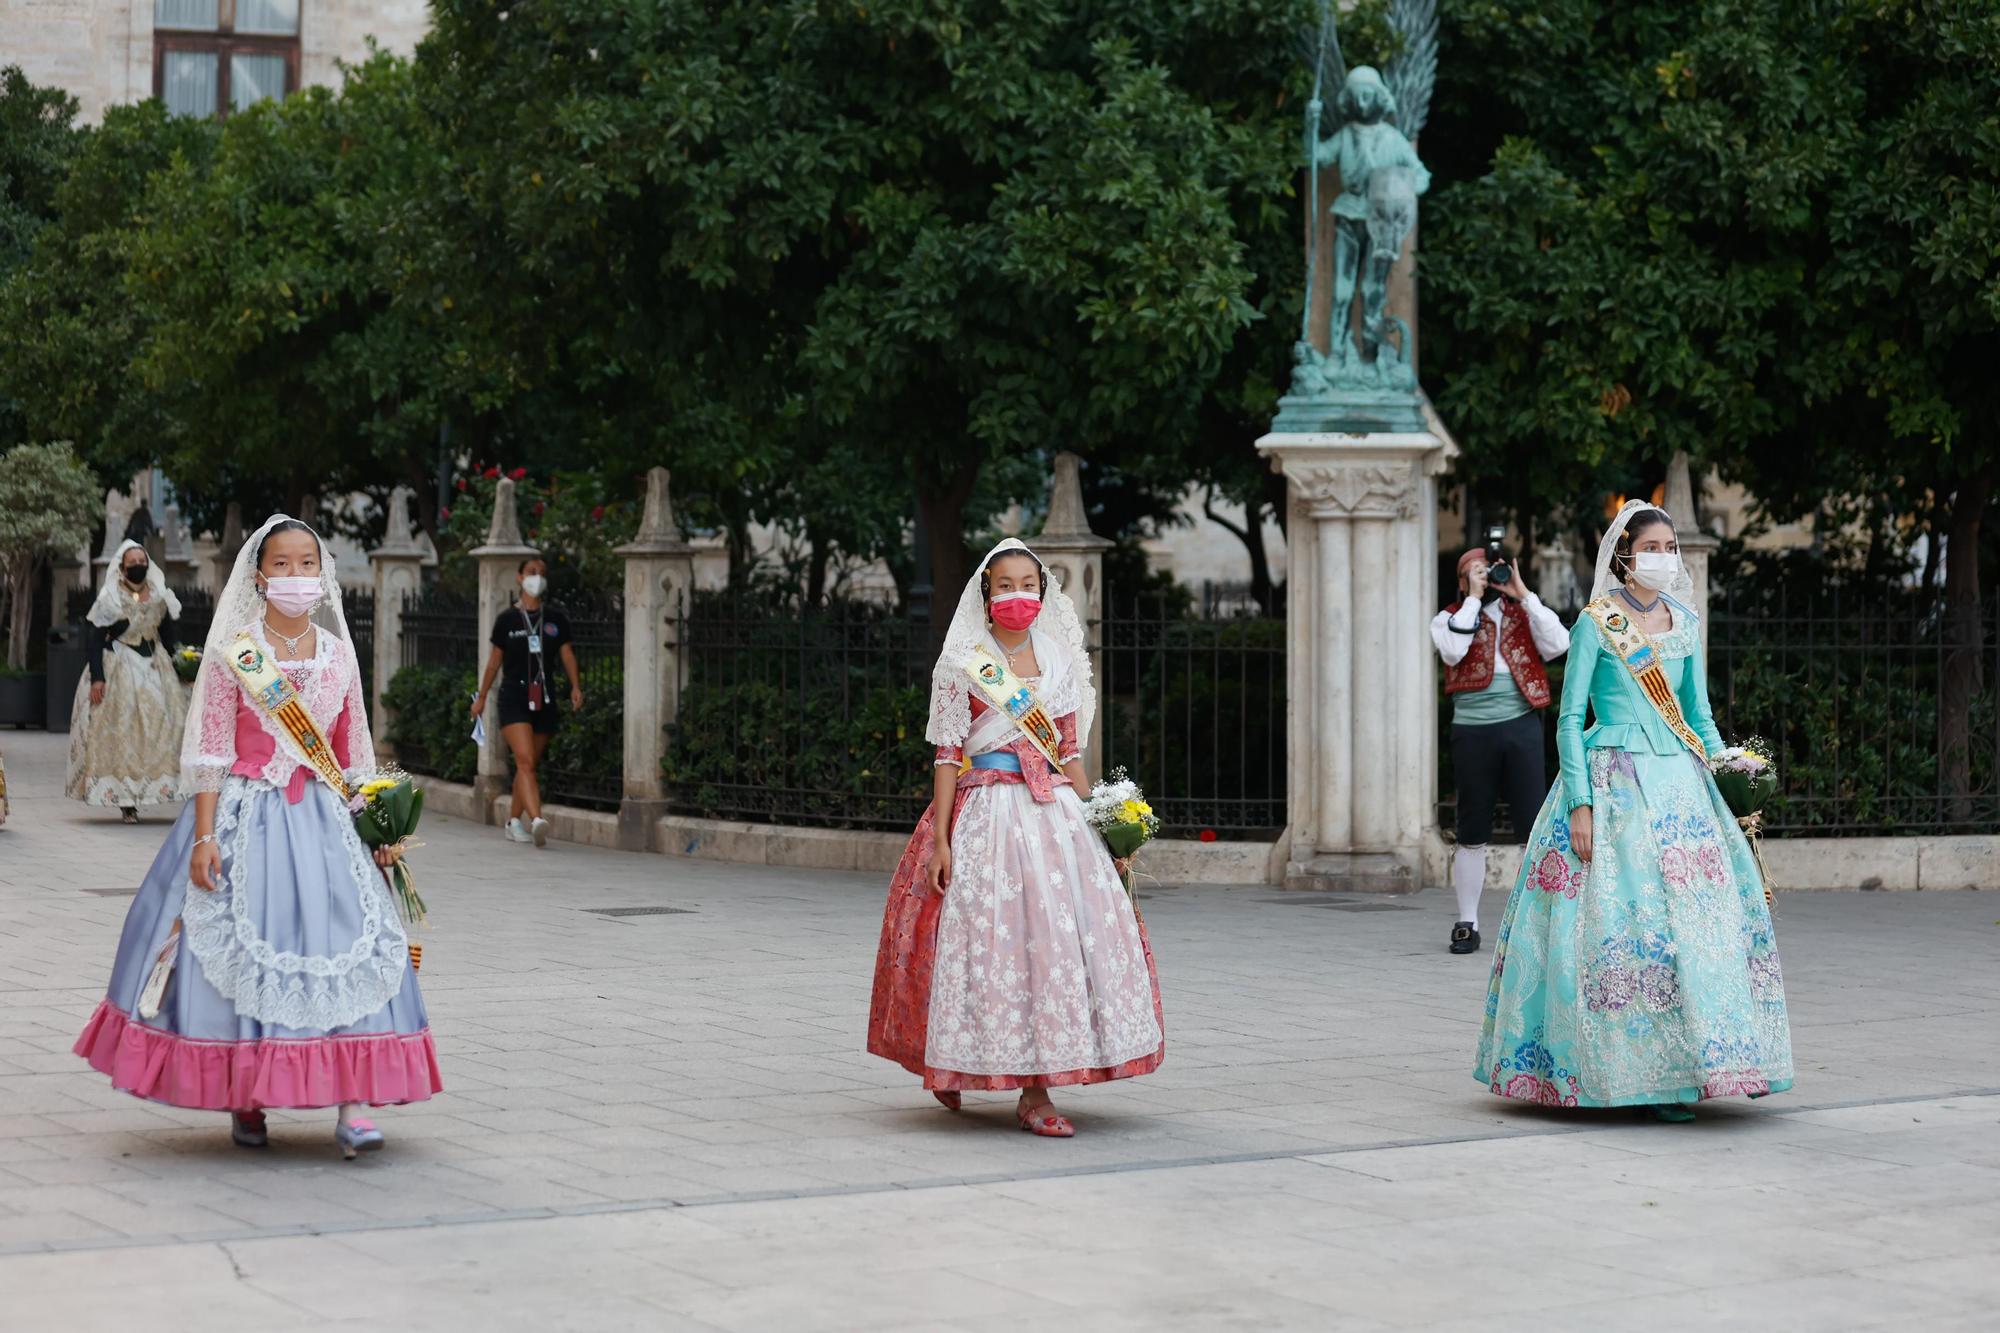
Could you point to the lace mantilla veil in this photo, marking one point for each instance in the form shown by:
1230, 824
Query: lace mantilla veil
241, 607
1066, 685
109, 608
1682, 587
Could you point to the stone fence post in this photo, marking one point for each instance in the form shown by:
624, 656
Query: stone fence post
1697, 546
1075, 557
1360, 587
499, 561
659, 578
227, 545
398, 566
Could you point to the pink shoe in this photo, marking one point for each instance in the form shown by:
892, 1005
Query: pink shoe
949, 1100
1044, 1121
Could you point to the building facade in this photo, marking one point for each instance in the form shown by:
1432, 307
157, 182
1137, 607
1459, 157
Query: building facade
202, 57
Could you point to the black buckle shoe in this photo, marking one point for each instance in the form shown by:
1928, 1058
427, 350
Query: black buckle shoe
1464, 939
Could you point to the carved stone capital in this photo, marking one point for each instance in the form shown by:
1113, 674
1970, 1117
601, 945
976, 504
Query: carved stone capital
1354, 490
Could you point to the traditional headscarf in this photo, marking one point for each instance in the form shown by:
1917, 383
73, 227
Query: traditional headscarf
1057, 634
1682, 587
110, 606
238, 608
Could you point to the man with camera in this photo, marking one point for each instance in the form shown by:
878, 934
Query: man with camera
1494, 642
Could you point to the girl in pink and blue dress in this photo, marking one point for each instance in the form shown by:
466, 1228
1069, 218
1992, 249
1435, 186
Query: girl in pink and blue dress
286, 970
1011, 956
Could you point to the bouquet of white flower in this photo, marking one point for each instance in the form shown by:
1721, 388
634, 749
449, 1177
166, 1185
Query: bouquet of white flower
1117, 809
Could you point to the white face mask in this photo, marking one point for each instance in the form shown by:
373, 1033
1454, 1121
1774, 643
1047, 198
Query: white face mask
1655, 569
533, 585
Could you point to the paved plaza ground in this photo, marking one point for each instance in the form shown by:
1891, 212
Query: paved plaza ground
667, 1121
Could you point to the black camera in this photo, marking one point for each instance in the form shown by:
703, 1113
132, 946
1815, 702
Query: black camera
1498, 572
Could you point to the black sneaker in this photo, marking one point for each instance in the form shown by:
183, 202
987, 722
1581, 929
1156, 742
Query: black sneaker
1464, 939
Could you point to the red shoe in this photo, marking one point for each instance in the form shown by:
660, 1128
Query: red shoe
951, 1101
1044, 1121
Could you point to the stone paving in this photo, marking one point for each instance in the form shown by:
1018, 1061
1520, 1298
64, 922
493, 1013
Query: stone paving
667, 1121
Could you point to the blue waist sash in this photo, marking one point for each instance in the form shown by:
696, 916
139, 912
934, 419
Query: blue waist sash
1004, 760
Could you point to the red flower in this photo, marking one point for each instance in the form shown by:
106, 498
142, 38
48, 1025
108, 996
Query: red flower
461, 483
444, 514
597, 513
518, 473
1208, 835
491, 473
534, 533
539, 506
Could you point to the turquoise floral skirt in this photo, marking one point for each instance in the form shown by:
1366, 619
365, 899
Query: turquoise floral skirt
1648, 974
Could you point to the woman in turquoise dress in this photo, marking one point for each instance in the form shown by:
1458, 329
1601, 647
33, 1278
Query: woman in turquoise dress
1636, 964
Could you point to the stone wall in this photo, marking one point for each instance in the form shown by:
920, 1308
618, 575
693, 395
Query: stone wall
101, 51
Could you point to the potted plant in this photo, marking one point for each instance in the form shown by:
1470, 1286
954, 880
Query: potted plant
49, 502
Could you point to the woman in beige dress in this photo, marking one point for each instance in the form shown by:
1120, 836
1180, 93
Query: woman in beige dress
125, 728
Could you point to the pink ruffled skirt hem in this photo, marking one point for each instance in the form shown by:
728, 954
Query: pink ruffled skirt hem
383, 1069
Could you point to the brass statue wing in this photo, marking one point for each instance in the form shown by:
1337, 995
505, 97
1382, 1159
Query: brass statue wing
1413, 72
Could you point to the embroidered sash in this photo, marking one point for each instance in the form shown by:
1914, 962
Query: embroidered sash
1642, 658
276, 696
1008, 693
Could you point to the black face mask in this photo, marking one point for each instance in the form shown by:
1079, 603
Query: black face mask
135, 574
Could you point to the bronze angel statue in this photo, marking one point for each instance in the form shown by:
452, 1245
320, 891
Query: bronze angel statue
1379, 115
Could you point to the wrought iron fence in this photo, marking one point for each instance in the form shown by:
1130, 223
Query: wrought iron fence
1195, 713
1849, 689
811, 717
585, 762
441, 650
358, 605
441, 629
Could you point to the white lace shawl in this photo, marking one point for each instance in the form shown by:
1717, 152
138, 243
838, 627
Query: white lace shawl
329, 681
115, 602
1060, 647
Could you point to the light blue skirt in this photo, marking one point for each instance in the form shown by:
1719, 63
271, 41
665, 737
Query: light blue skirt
1649, 974
292, 987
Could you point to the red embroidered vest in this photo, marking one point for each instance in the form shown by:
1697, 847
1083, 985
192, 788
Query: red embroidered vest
1475, 670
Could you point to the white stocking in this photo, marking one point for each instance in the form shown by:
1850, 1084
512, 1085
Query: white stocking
1468, 877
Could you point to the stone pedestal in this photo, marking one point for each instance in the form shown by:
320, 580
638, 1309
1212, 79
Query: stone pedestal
499, 561
1363, 713
398, 566
659, 578
1075, 558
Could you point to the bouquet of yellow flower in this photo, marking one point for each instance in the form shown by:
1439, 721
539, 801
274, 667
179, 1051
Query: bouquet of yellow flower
1747, 779
187, 663
386, 811
1117, 809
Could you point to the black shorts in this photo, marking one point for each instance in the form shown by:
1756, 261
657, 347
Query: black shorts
1495, 760
514, 709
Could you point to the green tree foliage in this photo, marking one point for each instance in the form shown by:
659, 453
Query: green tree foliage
875, 245
48, 502
1755, 230
37, 142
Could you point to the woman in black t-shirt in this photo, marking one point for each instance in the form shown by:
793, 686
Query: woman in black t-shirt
528, 639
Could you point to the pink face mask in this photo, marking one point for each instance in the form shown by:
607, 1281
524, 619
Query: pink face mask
1016, 610
292, 596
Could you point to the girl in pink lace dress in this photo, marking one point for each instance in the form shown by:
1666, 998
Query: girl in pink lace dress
290, 981
1011, 957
